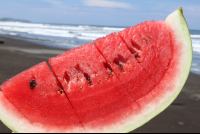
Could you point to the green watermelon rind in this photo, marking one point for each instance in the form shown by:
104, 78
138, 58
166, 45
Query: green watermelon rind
178, 24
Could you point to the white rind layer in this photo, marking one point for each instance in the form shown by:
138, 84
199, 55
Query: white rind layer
151, 105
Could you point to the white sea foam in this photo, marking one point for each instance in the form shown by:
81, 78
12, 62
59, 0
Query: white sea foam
96, 35
112, 29
195, 70
195, 36
80, 32
12, 33
196, 56
52, 33
196, 45
86, 38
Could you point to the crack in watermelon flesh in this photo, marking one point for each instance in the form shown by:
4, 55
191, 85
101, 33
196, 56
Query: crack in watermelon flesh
95, 88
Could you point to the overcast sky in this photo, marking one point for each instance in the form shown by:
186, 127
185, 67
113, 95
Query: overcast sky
99, 12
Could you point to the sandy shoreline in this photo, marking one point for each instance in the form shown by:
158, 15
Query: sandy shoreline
182, 116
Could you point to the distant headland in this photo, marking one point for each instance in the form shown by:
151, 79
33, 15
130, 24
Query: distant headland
14, 20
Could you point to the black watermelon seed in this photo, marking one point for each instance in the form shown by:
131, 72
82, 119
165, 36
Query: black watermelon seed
89, 80
120, 66
135, 56
87, 77
32, 84
60, 91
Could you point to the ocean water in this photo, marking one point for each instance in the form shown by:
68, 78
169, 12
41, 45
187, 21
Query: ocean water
70, 36
59, 36
195, 36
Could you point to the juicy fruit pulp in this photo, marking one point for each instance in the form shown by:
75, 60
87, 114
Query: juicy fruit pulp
102, 96
115, 85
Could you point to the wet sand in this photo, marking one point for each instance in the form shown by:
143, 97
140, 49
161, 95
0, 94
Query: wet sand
183, 115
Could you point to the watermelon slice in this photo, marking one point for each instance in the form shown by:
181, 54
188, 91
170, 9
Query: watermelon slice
116, 85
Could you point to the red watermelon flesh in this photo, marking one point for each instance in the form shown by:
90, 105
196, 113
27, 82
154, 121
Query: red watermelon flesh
97, 82
124, 65
45, 103
92, 87
151, 43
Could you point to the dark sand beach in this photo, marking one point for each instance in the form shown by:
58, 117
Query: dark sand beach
182, 116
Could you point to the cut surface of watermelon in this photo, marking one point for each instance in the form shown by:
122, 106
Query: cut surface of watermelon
92, 88
116, 85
